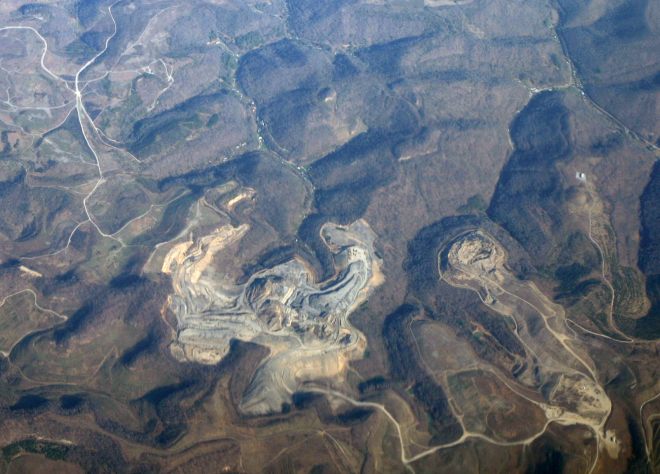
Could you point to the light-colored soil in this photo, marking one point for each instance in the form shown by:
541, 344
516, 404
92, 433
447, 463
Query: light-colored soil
304, 324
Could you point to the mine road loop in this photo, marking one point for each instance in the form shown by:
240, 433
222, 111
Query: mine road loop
599, 428
63, 249
407, 461
36, 304
516, 390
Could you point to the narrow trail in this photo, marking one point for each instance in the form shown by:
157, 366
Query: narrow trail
599, 430
641, 417
43, 54
561, 338
610, 312
604, 277
596, 334
515, 323
84, 116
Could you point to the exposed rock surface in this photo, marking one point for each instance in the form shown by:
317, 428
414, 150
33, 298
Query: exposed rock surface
304, 323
